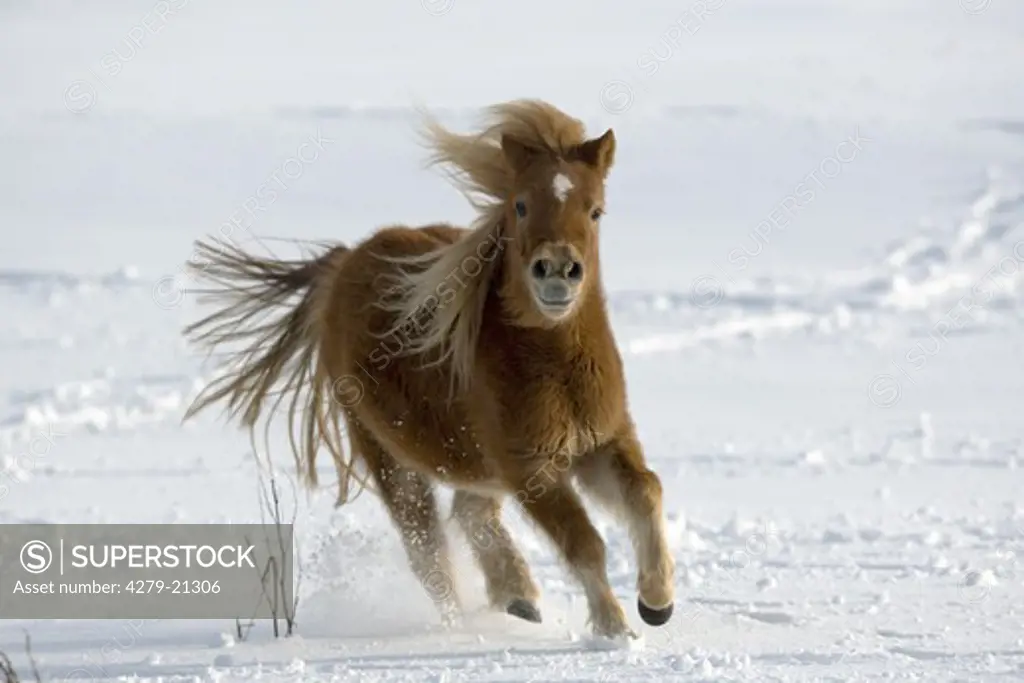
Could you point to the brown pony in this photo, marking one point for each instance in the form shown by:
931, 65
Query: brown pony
479, 358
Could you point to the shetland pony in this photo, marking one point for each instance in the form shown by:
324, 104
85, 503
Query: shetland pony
479, 358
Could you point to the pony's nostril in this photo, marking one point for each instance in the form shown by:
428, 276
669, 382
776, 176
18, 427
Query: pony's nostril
574, 271
542, 268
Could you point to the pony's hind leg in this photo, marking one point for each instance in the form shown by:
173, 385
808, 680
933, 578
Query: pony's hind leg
410, 500
509, 584
558, 511
617, 477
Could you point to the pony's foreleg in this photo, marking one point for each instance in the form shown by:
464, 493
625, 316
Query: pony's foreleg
509, 584
617, 476
557, 509
410, 500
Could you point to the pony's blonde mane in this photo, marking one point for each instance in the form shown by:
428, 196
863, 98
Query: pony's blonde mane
476, 166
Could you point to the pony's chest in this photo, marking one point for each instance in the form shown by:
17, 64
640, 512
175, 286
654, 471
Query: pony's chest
571, 411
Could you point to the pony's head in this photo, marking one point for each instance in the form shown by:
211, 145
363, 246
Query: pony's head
552, 215
538, 182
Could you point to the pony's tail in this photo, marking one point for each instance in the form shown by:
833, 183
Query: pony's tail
278, 349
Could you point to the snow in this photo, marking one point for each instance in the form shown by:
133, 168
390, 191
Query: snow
812, 247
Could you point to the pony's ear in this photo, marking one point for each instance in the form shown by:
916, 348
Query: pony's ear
518, 154
599, 152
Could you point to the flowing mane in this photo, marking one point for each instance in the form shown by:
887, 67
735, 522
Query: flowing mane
475, 164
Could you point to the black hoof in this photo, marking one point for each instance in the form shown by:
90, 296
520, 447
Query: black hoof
654, 617
524, 610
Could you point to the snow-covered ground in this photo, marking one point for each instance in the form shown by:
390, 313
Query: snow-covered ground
813, 248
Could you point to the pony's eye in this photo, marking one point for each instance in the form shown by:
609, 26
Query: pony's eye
521, 208
596, 214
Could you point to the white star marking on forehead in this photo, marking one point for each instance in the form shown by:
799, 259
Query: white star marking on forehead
561, 186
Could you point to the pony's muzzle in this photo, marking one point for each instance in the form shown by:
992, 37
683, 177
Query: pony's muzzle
555, 276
